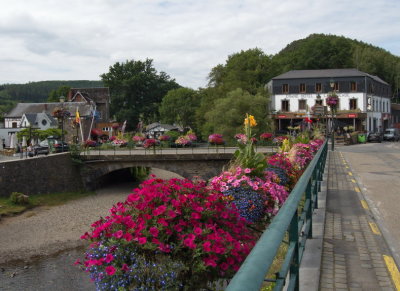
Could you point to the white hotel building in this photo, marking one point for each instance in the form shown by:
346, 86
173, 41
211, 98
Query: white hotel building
364, 100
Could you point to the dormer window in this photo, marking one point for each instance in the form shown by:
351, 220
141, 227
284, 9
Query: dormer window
44, 122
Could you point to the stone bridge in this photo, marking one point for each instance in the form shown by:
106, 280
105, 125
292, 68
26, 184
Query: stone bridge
187, 165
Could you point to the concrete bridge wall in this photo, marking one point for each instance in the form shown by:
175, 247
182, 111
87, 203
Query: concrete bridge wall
57, 173
205, 166
51, 174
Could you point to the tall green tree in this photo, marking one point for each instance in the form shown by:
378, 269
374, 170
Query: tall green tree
137, 90
55, 95
227, 115
179, 106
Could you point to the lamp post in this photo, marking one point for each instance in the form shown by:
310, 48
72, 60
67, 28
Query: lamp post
332, 101
62, 99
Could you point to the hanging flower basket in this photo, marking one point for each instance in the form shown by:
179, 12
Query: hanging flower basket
332, 100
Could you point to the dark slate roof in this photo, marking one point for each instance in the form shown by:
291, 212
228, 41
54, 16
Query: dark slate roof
98, 94
24, 108
34, 118
326, 73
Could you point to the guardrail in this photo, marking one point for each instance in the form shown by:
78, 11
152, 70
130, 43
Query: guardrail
199, 148
254, 269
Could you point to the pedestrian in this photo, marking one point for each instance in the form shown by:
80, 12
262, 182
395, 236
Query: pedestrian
29, 149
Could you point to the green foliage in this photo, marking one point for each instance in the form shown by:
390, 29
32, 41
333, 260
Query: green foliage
226, 116
179, 106
173, 134
18, 198
137, 90
303, 137
140, 173
55, 95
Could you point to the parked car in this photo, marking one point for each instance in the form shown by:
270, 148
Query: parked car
41, 149
374, 137
55, 145
391, 134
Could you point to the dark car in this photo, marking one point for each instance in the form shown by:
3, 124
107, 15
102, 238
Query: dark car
41, 149
374, 137
56, 146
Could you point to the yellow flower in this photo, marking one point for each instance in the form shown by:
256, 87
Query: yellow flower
250, 120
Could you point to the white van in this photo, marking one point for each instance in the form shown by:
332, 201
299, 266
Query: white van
391, 134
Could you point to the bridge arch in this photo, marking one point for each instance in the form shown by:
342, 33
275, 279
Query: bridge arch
189, 167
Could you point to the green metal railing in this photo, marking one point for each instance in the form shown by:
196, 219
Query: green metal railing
289, 219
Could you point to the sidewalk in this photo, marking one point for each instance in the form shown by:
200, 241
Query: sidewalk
355, 256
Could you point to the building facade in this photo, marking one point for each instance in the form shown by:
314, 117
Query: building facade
364, 100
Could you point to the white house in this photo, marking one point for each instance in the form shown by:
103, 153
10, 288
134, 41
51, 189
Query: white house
364, 100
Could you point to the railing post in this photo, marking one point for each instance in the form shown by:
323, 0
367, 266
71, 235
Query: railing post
309, 196
294, 239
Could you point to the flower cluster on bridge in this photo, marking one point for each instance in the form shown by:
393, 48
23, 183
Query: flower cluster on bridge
175, 234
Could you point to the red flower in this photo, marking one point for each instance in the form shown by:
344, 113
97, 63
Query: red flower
154, 231
142, 240
125, 268
109, 258
110, 270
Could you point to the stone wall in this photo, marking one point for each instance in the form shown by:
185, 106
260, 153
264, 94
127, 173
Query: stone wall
51, 174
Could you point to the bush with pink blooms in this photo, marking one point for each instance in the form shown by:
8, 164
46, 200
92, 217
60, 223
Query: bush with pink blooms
184, 232
216, 139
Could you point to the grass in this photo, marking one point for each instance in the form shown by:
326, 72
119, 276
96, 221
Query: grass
52, 199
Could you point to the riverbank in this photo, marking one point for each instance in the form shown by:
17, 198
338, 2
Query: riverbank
45, 231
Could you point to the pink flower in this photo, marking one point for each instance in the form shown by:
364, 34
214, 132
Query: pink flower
118, 234
154, 231
110, 270
128, 236
142, 240
207, 246
109, 258
197, 230
210, 261
224, 266
196, 215
247, 171
125, 268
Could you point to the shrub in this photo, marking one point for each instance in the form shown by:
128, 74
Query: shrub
19, 198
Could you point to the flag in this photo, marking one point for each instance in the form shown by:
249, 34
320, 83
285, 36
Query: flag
123, 127
77, 117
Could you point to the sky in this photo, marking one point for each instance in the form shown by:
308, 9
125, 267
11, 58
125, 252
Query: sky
79, 40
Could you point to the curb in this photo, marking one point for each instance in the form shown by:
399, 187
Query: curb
310, 268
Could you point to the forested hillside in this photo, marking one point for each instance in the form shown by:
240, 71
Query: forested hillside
319, 51
39, 91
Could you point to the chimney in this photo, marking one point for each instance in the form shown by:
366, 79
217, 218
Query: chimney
45, 107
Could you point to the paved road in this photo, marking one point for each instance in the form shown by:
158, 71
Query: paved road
377, 169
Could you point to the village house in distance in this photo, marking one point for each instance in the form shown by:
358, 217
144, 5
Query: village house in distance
93, 105
364, 100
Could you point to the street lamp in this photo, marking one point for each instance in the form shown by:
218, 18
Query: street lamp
332, 101
62, 99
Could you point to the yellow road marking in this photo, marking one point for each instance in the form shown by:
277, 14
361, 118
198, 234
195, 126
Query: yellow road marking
350, 174
357, 189
374, 228
347, 167
394, 272
364, 204
354, 181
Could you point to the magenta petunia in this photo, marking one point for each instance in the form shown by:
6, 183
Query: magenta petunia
110, 270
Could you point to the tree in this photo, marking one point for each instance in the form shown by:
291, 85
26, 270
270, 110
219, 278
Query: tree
248, 70
55, 95
227, 115
179, 106
136, 90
